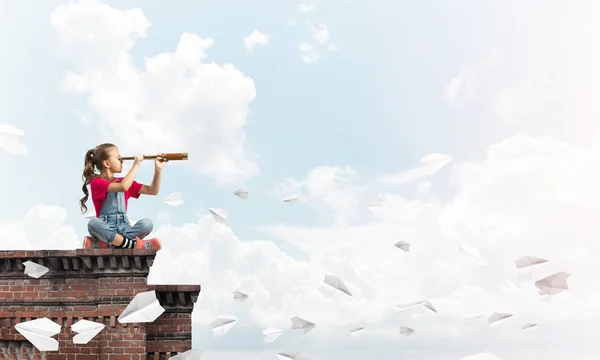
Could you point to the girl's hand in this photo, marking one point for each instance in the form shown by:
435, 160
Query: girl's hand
138, 159
160, 161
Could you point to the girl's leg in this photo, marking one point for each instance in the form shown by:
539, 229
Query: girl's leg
141, 229
101, 230
104, 232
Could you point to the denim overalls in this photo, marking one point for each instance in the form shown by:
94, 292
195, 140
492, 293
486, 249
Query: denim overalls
113, 219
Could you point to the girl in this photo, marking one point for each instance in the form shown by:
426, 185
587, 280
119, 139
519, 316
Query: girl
110, 195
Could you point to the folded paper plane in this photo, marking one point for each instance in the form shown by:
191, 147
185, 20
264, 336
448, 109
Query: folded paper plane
272, 334
221, 326
34, 270
219, 215
241, 193
301, 324
39, 332
144, 308
403, 245
239, 296
406, 331
294, 355
175, 199
337, 284
85, 330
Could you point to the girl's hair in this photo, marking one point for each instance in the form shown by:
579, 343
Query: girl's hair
93, 159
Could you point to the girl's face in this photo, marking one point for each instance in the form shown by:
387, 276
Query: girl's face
115, 164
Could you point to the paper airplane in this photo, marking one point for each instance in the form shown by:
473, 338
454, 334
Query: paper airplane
219, 215
193, 354
357, 331
553, 284
406, 331
241, 193
175, 199
221, 326
301, 324
424, 303
403, 245
272, 334
294, 355
39, 332
144, 308
292, 199
11, 139
34, 270
239, 296
495, 317
481, 356
337, 284
85, 330
527, 261
527, 326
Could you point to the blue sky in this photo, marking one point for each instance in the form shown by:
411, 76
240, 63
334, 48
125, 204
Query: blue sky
508, 89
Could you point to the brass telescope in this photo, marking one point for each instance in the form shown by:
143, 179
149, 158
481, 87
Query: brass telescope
168, 156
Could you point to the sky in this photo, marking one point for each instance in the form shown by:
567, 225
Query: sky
336, 103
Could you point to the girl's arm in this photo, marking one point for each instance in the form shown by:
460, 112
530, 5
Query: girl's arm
125, 184
155, 186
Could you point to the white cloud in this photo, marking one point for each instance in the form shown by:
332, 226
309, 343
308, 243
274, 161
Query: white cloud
255, 38
41, 229
308, 53
177, 101
536, 195
306, 7
332, 189
11, 139
319, 32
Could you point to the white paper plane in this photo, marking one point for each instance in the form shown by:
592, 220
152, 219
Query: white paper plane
527, 326
337, 284
473, 317
527, 261
294, 355
301, 324
11, 139
272, 334
481, 356
193, 354
90, 214
496, 317
403, 245
39, 332
221, 326
473, 255
175, 199
219, 215
357, 331
239, 296
34, 270
241, 193
144, 308
424, 303
553, 284
289, 200
85, 330
406, 331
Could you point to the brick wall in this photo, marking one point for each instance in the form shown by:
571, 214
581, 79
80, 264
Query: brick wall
96, 285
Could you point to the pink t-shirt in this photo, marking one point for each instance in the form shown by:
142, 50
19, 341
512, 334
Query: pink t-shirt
99, 187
